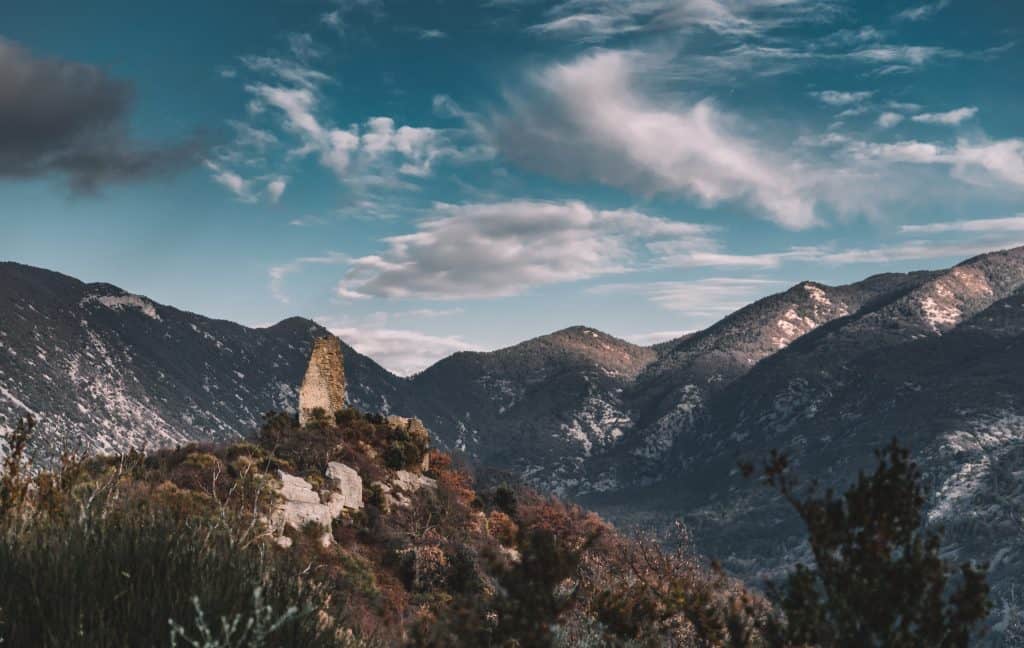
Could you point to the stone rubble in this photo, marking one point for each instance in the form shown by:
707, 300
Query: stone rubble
300, 504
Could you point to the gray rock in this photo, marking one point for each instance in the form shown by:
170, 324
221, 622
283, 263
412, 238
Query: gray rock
411, 482
300, 504
347, 482
297, 489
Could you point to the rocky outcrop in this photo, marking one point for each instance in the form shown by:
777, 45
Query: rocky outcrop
323, 386
397, 493
411, 482
348, 483
300, 504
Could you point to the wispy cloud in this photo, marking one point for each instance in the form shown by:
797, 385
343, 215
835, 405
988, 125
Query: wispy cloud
980, 225
598, 20
977, 162
504, 249
950, 118
589, 118
279, 273
841, 98
924, 11
303, 47
655, 337
712, 297
914, 251
236, 184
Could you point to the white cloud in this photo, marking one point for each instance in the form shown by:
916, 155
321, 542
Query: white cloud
950, 118
905, 251
1000, 159
889, 119
904, 105
922, 12
287, 71
432, 34
246, 189
597, 20
913, 251
704, 298
369, 155
655, 337
974, 162
279, 273
840, 98
589, 118
236, 184
503, 249
333, 20
419, 147
249, 137
672, 254
902, 56
302, 47
402, 351
335, 146
1008, 224
275, 189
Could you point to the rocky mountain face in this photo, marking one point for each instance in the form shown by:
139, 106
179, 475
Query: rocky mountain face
541, 409
643, 434
105, 370
934, 362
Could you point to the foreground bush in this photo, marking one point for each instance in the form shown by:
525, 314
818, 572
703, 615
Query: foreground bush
878, 578
121, 579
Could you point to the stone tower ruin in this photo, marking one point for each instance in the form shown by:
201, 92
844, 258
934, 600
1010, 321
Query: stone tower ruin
323, 386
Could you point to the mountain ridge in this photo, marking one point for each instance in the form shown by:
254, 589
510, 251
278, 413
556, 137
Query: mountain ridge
645, 435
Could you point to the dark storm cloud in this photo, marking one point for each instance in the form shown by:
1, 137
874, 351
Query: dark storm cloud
65, 117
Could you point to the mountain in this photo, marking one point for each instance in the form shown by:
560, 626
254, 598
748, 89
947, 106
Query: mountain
935, 362
541, 408
645, 435
106, 370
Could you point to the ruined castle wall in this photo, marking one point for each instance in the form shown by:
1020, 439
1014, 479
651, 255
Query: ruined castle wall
324, 383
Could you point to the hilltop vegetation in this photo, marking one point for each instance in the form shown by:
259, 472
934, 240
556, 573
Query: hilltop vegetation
183, 547
176, 548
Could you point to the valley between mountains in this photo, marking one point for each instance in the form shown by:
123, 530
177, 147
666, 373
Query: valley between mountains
644, 435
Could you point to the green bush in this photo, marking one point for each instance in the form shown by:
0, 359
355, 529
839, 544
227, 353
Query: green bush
878, 577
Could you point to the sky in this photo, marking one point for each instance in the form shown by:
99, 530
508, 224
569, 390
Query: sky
430, 176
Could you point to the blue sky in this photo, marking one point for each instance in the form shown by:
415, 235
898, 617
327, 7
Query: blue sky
435, 175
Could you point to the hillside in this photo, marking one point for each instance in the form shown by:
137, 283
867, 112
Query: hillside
105, 370
325, 536
935, 364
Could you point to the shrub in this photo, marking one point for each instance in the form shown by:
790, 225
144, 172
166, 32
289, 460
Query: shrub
878, 578
120, 580
13, 475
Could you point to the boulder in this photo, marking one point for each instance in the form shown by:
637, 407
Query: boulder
390, 498
347, 482
411, 482
300, 504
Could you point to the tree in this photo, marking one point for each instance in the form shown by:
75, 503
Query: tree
878, 578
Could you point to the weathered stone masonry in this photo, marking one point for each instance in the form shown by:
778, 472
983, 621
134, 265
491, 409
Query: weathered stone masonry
323, 386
